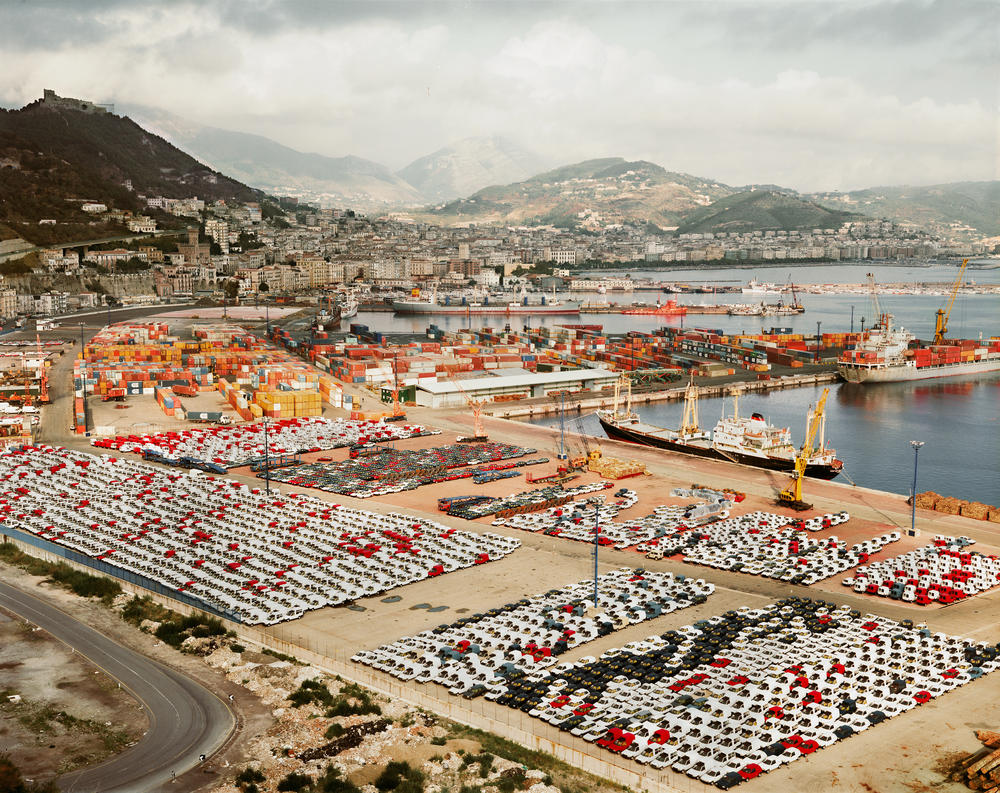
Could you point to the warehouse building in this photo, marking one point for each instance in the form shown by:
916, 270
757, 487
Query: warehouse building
446, 394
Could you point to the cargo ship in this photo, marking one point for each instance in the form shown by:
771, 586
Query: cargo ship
668, 309
890, 354
465, 306
749, 440
885, 355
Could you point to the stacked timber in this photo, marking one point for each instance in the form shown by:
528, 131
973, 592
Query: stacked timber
954, 506
981, 771
613, 468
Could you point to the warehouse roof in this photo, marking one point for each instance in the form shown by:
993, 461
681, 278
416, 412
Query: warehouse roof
502, 381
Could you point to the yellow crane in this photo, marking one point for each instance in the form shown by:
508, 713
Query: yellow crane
791, 496
942, 314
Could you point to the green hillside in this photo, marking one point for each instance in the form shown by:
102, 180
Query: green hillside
52, 158
941, 207
762, 210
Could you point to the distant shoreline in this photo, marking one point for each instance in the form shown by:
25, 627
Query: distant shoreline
768, 264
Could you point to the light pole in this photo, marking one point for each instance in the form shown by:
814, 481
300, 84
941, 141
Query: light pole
267, 461
597, 536
818, 338
852, 320
913, 493
81, 339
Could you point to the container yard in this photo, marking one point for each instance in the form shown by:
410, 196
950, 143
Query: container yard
693, 667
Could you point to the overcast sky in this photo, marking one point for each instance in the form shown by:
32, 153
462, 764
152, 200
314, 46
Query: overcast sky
808, 94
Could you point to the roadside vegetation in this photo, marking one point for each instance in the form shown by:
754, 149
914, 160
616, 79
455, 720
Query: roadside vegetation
61, 574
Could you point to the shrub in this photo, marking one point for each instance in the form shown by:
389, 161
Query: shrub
294, 782
311, 691
399, 776
246, 779
334, 731
332, 782
439, 741
237, 648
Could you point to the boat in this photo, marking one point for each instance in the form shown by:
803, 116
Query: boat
890, 354
749, 440
668, 309
755, 287
348, 307
467, 306
746, 310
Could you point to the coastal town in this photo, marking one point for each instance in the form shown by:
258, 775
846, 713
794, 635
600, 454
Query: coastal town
481, 467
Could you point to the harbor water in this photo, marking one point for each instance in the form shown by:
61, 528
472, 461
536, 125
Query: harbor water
870, 426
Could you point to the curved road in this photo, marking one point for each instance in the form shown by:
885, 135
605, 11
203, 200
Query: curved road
185, 719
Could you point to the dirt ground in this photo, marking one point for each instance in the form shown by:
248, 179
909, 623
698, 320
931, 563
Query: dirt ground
46, 672
70, 713
908, 753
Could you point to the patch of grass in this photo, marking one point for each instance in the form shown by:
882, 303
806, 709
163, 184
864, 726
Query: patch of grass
61, 574
45, 719
281, 656
564, 776
439, 741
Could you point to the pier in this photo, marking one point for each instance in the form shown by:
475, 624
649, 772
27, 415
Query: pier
589, 403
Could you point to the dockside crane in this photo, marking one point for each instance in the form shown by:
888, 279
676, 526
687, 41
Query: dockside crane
791, 496
476, 408
942, 314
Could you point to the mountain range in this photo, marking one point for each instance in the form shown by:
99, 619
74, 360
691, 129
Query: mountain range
53, 151
450, 172
54, 158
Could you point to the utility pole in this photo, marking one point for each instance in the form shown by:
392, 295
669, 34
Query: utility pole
913, 493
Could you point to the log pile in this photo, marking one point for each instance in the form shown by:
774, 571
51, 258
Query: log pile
981, 771
955, 506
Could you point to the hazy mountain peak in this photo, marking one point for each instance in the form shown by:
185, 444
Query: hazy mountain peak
469, 165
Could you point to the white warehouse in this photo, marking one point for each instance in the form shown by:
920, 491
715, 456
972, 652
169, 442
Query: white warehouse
447, 394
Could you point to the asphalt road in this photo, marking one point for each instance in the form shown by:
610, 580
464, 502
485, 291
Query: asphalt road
185, 719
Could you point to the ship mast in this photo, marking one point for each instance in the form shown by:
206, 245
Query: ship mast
689, 421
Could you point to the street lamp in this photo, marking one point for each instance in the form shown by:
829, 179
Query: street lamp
597, 536
913, 493
267, 461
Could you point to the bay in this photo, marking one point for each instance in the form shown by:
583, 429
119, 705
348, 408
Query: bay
871, 428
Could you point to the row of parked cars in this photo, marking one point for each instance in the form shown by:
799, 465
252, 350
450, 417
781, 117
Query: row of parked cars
259, 557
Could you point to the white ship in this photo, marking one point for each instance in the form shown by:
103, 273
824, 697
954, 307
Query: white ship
754, 287
749, 440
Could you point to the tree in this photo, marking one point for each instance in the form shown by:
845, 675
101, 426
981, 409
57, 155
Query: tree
263, 287
231, 289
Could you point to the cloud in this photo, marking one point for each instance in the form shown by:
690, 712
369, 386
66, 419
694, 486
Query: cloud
812, 95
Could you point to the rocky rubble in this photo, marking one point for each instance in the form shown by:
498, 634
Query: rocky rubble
301, 741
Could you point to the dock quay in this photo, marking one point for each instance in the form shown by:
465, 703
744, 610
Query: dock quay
548, 407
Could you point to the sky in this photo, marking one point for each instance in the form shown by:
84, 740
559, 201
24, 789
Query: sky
811, 95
